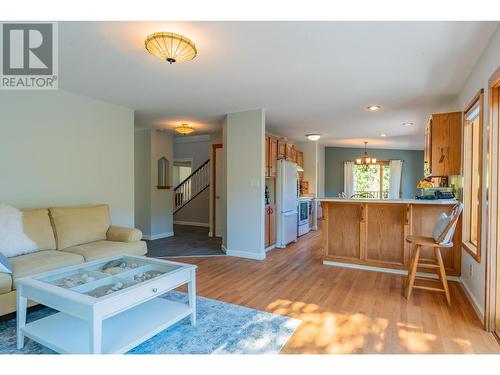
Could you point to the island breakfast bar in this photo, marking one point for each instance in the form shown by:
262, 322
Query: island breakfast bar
368, 232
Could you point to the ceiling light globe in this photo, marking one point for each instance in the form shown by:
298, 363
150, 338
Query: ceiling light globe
313, 137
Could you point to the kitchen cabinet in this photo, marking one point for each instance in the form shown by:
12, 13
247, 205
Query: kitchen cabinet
300, 163
291, 152
281, 149
427, 148
273, 155
270, 225
271, 145
443, 144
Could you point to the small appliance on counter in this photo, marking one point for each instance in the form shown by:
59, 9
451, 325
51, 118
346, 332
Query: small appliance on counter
436, 193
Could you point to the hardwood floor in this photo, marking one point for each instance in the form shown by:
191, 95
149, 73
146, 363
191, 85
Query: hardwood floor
344, 310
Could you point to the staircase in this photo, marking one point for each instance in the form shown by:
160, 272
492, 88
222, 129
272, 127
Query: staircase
193, 185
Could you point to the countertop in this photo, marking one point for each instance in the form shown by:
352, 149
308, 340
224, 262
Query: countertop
443, 202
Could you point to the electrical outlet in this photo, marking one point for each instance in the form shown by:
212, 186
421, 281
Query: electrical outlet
470, 271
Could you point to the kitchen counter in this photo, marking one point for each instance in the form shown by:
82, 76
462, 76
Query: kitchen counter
370, 232
445, 202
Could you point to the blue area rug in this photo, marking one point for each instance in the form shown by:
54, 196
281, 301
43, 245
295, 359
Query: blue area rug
222, 328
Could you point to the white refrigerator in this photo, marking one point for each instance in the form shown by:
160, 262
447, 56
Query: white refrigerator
286, 203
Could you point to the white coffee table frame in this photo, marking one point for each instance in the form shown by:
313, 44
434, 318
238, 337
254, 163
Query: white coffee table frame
114, 323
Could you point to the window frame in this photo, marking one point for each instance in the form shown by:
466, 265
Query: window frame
381, 163
474, 250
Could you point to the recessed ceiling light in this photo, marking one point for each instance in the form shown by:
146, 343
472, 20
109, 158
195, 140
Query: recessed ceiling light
383, 135
373, 107
407, 123
313, 137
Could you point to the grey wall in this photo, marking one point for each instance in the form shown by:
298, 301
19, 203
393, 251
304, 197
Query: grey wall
413, 167
192, 147
196, 211
154, 207
62, 149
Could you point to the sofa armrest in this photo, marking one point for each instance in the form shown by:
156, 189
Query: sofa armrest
123, 234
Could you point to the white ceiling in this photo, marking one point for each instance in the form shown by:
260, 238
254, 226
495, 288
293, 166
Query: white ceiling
311, 77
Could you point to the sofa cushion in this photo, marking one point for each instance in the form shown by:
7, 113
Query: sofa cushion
5, 283
42, 261
37, 226
78, 225
102, 249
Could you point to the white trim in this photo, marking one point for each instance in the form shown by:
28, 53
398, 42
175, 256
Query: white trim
473, 301
270, 248
157, 236
192, 223
385, 270
246, 254
192, 138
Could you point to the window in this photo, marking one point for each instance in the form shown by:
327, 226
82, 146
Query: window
372, 181
181, 170
472, 171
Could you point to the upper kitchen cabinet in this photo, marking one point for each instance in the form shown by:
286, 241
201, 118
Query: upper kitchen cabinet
281, 149
291, 152
443, 139
271, 143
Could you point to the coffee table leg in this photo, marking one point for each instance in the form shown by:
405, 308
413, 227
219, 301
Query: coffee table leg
22, 305
95, 335
192, 296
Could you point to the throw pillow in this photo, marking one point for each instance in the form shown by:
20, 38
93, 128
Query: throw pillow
441, 225
13, 240
5, 265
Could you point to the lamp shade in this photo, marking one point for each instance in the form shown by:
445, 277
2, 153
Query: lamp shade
170, 47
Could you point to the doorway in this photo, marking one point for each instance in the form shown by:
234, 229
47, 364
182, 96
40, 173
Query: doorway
181, 170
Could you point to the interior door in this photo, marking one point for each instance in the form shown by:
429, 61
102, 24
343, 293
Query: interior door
219, 191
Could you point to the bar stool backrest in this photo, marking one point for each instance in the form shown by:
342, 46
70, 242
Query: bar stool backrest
445, 237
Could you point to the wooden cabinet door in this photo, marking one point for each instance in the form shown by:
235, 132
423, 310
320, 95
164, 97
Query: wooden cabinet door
273, 155
281, 149
446, 139
428, 150
272, 225
266, 166
291, 152
300, 158
266, 226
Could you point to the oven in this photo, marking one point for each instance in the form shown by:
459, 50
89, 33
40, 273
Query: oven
303, 217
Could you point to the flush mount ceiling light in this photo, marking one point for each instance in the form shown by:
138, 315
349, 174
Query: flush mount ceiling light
313, 137
383, 135
373, 107
407, 124
170, 47
184, 129
366, 159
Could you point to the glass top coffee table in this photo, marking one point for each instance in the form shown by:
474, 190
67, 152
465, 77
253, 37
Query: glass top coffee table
106, 306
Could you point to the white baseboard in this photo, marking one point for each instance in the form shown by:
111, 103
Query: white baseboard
473, 301
270, 248
192, 223
385, 270
157, 236
246, 254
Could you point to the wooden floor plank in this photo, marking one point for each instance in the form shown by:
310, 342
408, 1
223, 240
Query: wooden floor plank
344, 310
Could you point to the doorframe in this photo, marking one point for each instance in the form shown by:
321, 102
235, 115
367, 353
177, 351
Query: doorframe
492, 274
215, 146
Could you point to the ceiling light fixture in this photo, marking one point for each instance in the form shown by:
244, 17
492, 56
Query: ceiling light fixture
170, 47
407, 123
373, 107
313, 137
184, 129
383, 135
366, 159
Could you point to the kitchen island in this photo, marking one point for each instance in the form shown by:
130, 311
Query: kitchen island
369, 233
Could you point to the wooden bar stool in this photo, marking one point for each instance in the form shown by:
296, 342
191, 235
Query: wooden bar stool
443, 241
